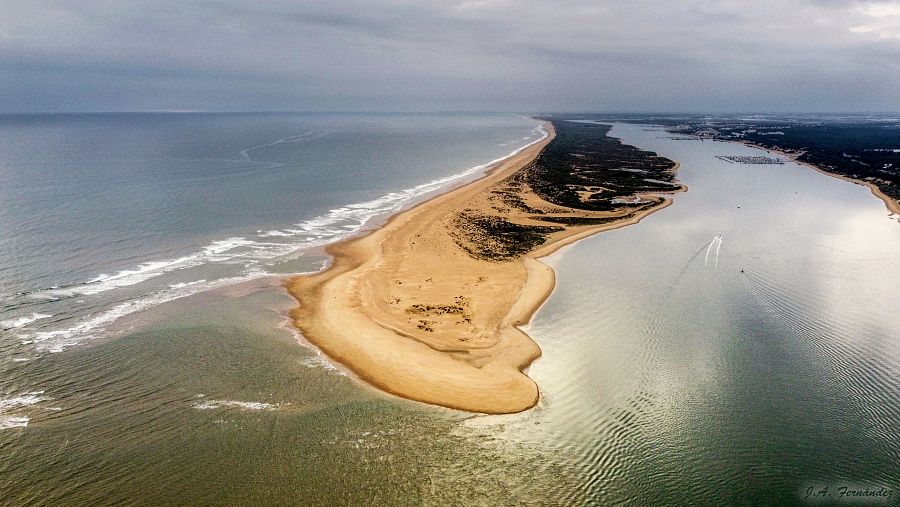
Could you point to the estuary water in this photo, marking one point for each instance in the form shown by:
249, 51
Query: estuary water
740, 346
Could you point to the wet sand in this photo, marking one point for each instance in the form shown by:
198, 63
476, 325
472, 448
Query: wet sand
410, 310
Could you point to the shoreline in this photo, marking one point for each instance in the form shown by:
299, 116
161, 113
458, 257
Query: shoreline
468, 354
891, 205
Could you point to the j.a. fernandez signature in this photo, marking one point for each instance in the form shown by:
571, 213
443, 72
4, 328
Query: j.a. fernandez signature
850, 493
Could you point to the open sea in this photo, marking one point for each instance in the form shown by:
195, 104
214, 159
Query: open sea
104, 215
741, 346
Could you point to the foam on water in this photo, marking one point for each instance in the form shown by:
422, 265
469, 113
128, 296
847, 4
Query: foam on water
13, 421
254, 255
9, 418
93, 325
105, 282
23, 321
242, 405
185, 284
22, 400
319, 361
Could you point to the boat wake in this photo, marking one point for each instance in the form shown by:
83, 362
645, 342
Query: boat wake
717, 244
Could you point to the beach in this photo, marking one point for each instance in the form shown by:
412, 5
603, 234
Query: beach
425, 309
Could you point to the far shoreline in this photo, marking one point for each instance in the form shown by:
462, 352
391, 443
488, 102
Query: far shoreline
891, 205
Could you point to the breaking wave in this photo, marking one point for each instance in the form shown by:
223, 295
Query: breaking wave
222, 262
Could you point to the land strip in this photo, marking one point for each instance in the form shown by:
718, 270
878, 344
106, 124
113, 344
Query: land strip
428, 306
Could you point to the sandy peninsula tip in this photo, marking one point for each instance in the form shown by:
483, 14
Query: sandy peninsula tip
427, 307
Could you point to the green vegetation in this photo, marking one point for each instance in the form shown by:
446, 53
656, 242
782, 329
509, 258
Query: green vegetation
581, 169
585, 220
584, 168
497, 239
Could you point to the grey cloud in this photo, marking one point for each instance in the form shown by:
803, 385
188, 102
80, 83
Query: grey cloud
422, 55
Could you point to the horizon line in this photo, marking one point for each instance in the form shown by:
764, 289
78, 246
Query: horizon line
461, 111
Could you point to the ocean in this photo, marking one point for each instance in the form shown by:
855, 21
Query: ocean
104, 215
738, 347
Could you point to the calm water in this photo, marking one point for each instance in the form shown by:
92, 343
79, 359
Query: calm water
678, 368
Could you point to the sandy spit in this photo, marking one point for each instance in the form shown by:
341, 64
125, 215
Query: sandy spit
408, 311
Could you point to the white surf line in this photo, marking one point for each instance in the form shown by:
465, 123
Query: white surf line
318, 231
17, 322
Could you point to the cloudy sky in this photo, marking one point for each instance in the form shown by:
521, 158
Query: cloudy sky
414, 55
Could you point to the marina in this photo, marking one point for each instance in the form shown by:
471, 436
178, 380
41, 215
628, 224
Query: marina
751, 159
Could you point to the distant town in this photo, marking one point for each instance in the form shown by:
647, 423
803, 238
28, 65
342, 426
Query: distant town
861, 147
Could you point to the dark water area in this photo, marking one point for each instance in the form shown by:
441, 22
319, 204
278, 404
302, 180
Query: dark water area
738, 347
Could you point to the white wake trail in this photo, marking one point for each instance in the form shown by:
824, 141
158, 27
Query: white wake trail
717, 242
718, 247
708, 249
245, 154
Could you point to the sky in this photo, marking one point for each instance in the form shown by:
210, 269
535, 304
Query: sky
429, 55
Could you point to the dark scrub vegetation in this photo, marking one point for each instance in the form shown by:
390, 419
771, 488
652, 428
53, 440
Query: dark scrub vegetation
584, 168
581, 170
496, 238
